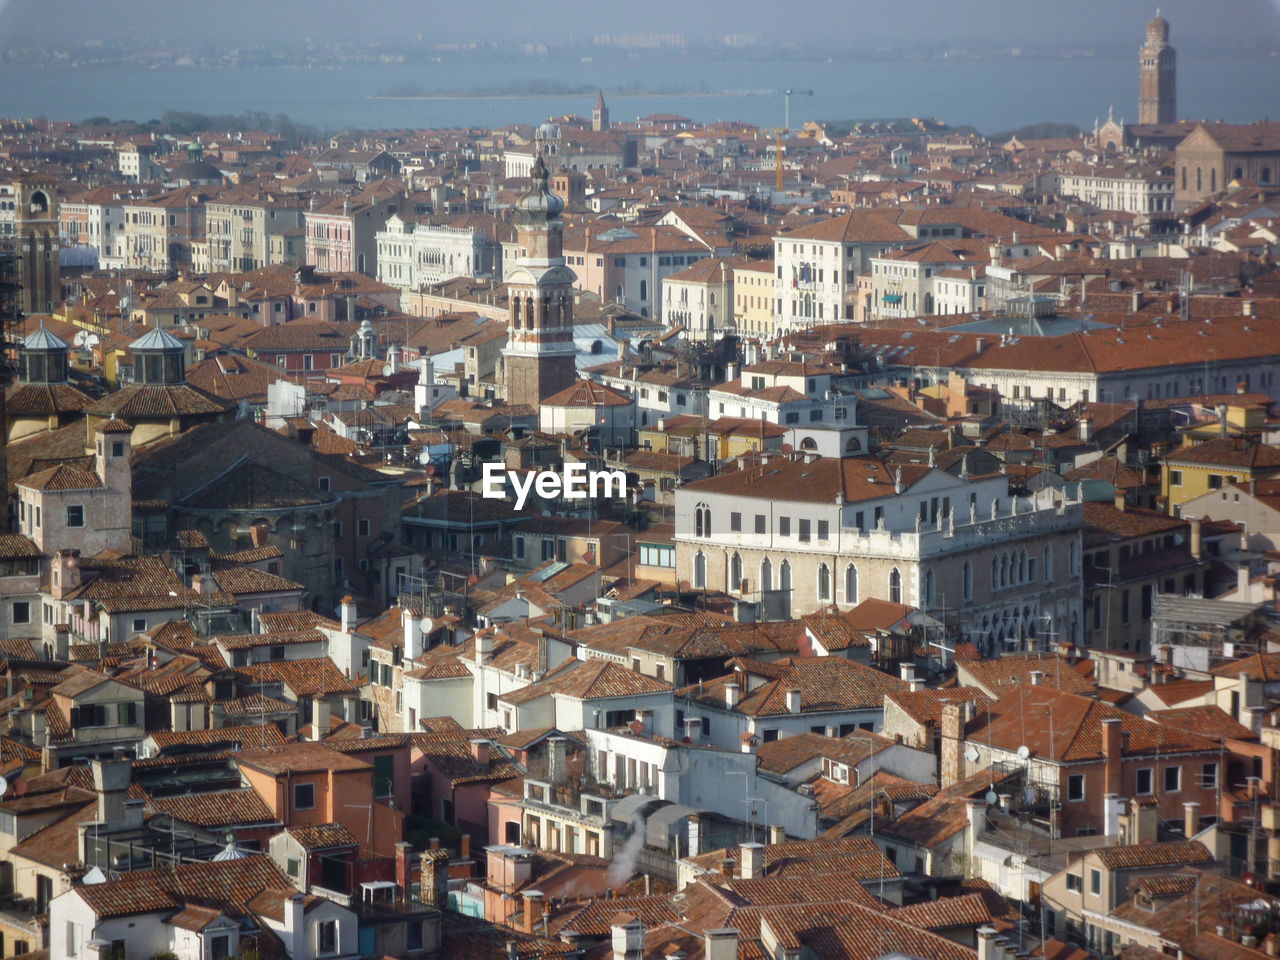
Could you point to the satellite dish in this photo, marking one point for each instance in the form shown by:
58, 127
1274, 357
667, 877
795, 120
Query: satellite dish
990, 796
972, 754
1023, 752
4, 786
428, 625
78, 339
92, 340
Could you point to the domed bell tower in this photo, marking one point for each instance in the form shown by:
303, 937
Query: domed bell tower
539, 356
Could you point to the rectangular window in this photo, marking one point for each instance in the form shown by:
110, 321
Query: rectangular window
220, 947
735, 522
824, 530
362, 528
21, 612
804, 530
1172, 779
75, 515
139, 624
127, 714
1095, 882
1145, 782
1175, 478
384, 779
519, 545
784, 526
760, 523
1075, 787
325, 483
1215, 481
304, 796
1073, 883
1209, 776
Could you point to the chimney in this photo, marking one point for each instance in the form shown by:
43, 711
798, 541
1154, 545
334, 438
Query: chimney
1190, 819
1084, 429
1120, 499
731, 694
777, 833
413, 639
557, 750
1113, 743
111, 779
752, 860
694, 835
295, 932
348, 614
484, 648
533, 909
952, 742
1197, 537
320, 721
403, 870
1242, 582
433, 885
1246, 308
793, 701
988, 944
480, 751
627, 936
720, 944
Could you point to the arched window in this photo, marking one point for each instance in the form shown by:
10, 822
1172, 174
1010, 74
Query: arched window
824, 582
735, 573
808, 443
644, 289
852, 445
967, 575
699, 571
784, 575
1199, 180
928, 588
995, 573
1213, 179
1184, 178
1266, 176
851, 584
895, 586
766, 575
702, 520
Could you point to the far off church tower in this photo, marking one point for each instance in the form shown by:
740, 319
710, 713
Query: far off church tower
35, 222
1157, 90
539, 356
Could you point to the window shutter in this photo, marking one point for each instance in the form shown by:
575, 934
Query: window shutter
74, 719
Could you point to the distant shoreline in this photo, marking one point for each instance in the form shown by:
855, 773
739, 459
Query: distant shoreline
558, 96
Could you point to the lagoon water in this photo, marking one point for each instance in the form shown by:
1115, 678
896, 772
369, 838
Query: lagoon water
990, 95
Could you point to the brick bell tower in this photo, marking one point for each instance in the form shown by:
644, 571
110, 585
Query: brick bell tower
1158, 70
539, 356
36, 227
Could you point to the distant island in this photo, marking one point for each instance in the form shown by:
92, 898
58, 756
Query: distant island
549, 88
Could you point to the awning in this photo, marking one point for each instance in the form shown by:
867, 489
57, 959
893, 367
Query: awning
893, 298
658, 827
625, 810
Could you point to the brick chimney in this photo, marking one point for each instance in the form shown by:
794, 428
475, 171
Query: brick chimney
952, 742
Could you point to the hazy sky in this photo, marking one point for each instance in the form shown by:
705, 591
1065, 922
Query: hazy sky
1214, 25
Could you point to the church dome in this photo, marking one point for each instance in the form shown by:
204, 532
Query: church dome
1158, 28
548, 130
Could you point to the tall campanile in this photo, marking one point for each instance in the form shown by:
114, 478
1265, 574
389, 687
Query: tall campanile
539, 356
1157, 89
